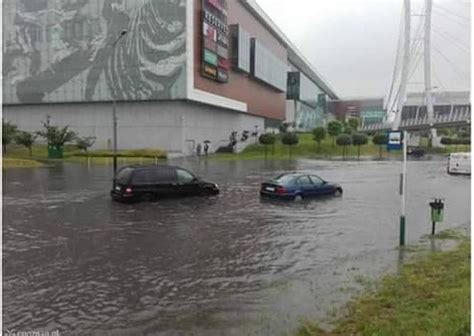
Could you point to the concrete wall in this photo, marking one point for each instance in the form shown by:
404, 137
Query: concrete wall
176, 126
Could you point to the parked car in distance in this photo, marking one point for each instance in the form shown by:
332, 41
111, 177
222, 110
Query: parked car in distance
147, 183
415, 152
296, 186
459, 164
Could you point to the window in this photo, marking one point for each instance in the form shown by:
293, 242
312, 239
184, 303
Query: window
284, 179
184, 176
124, 175
164, 175
316, 180
303, 181
142, 177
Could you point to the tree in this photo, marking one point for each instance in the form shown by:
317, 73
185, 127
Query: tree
354, 123
381, 140
359, 139
290, 139
348, 130
267, 139
26, 139
56, 136
446, 132
334, 129
9, 132
343, 140
319, 133
85, 143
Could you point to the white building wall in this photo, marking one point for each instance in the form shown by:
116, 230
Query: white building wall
170, 125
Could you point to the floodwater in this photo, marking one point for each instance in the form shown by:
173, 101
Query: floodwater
76, 262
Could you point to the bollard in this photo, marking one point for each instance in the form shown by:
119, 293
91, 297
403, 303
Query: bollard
437, 213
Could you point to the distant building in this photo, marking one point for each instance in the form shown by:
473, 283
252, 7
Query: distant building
369, 110
444, 103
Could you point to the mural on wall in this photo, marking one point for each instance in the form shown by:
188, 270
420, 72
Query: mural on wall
62, 50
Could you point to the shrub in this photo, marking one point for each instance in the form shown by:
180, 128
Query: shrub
343, 140
267, 139
85, 143
354, 123
26, 139
334, 129
359, 139
290, 139
319, 133
9, 132
446, 141
381, 140
56, 136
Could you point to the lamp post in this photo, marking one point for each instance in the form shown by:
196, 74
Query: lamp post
114, 106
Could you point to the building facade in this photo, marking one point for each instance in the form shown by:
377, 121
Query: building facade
445, 103
368, 110
185, 72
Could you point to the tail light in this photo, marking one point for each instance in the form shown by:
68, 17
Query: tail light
129, 190
280, 190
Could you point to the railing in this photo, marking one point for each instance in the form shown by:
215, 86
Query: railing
458, 116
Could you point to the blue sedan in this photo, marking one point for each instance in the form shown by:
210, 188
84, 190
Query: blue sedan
296, 186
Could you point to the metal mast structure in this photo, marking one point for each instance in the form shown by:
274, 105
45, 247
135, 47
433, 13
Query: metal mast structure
405, 66
427, 68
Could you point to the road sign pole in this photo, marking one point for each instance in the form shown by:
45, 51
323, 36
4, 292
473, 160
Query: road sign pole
403, 185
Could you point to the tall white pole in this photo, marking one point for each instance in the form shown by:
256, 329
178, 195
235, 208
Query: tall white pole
427, 67
405, 66
403, 186
398, 116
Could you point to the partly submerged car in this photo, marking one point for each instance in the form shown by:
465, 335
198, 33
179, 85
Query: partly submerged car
296, 186
137, 183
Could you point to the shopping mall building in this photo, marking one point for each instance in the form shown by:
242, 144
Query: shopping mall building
186, 71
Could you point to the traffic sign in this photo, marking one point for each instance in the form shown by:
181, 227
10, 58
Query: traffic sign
395, 141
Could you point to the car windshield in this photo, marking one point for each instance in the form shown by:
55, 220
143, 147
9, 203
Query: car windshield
284, 179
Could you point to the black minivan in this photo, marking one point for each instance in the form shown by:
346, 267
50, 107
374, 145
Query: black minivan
147, 183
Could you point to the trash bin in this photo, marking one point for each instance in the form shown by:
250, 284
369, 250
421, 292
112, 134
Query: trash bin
55, 152
437, 213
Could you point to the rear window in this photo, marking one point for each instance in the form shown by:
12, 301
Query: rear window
124, 175
284, 179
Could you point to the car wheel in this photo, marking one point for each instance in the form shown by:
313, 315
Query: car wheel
209, 192
298, 198
338, 192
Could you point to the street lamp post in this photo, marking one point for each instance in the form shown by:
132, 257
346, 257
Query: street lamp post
114, 106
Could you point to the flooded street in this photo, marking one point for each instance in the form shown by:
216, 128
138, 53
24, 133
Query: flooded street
76, 262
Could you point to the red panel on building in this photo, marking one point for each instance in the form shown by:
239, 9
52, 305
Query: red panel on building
261, 99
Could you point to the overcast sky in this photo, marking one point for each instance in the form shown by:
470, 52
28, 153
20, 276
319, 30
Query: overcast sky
353, 44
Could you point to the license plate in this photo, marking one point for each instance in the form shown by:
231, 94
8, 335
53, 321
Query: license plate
270, 189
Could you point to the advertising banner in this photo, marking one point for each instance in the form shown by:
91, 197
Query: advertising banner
215, 54
210, 57
209, 31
